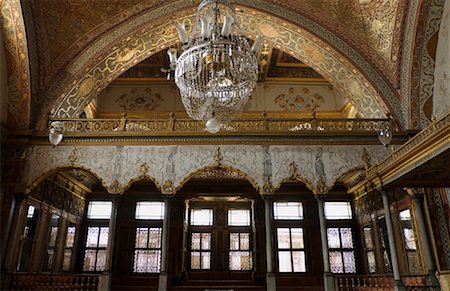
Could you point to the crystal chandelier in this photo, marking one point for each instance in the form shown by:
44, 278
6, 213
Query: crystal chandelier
217, 70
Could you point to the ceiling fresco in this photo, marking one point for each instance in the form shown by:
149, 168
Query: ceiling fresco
74, 36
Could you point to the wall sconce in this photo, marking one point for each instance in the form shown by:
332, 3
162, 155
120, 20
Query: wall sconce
55, 134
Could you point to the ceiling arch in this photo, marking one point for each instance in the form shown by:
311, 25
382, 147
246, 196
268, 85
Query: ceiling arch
87, 75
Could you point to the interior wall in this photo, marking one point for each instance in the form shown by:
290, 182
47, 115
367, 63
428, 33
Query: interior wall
3, 83
441, 98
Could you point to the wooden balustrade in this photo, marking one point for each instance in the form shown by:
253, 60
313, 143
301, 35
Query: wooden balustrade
26, 281
380, 283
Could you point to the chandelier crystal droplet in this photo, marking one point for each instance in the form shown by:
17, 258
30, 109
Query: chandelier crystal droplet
217, 70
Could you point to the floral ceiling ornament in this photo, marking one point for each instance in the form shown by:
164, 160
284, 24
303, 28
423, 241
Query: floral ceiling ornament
294, 101
217, 70
140, 101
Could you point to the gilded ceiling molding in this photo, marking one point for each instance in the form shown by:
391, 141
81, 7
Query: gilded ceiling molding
282, 35
16, 49
89, 73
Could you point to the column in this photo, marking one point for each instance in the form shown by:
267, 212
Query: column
328, 280
417, 198
164, 271
398, 284
104, 280
270, 277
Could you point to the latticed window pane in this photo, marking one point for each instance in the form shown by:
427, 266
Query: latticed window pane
202, 217
50, 254
334, 240
195, 241
347, 240
297, 238
70, 238
30, 212
234, 241
240, 261
336, 263
206, 241
89, 260
284, 241
245, 241
349, 262
284, 261
141, 237
206, 260
368, 242
103, 240
371, 262
387, 262
155, 238
92, 237
147, 261
101, 260
239, 217
195, 260
288, 210
298, 260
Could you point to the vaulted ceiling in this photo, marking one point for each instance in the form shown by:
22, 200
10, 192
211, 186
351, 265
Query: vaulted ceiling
60, 54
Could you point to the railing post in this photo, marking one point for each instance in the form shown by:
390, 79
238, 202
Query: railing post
398, 284
328, 279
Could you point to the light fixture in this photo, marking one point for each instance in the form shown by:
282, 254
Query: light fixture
55, 134
217, 70
385, 136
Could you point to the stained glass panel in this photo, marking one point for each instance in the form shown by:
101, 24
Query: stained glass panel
103, 240
297, 238
239, 217
298, 260
338, 210
333, 238
234, 241
202, 217
195, 260
371, 262
92, 237
284, 261
206, 241
240, 261
346, 238
155, 238
368, 242
141, 237
349, 262
150, 210
89, 260
288, 210
101, 260
336, 263
283, 238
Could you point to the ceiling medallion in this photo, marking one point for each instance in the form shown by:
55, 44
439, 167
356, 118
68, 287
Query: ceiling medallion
217, 69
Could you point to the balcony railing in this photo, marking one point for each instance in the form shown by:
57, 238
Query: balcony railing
262, 125
380, 283
47, 282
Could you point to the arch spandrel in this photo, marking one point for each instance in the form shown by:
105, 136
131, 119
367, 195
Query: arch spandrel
151, 39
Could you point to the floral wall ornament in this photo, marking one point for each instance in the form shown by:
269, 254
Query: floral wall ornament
115, 188
267, 188
295, 101
143, 170
218, 158
168, 188
73, 157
